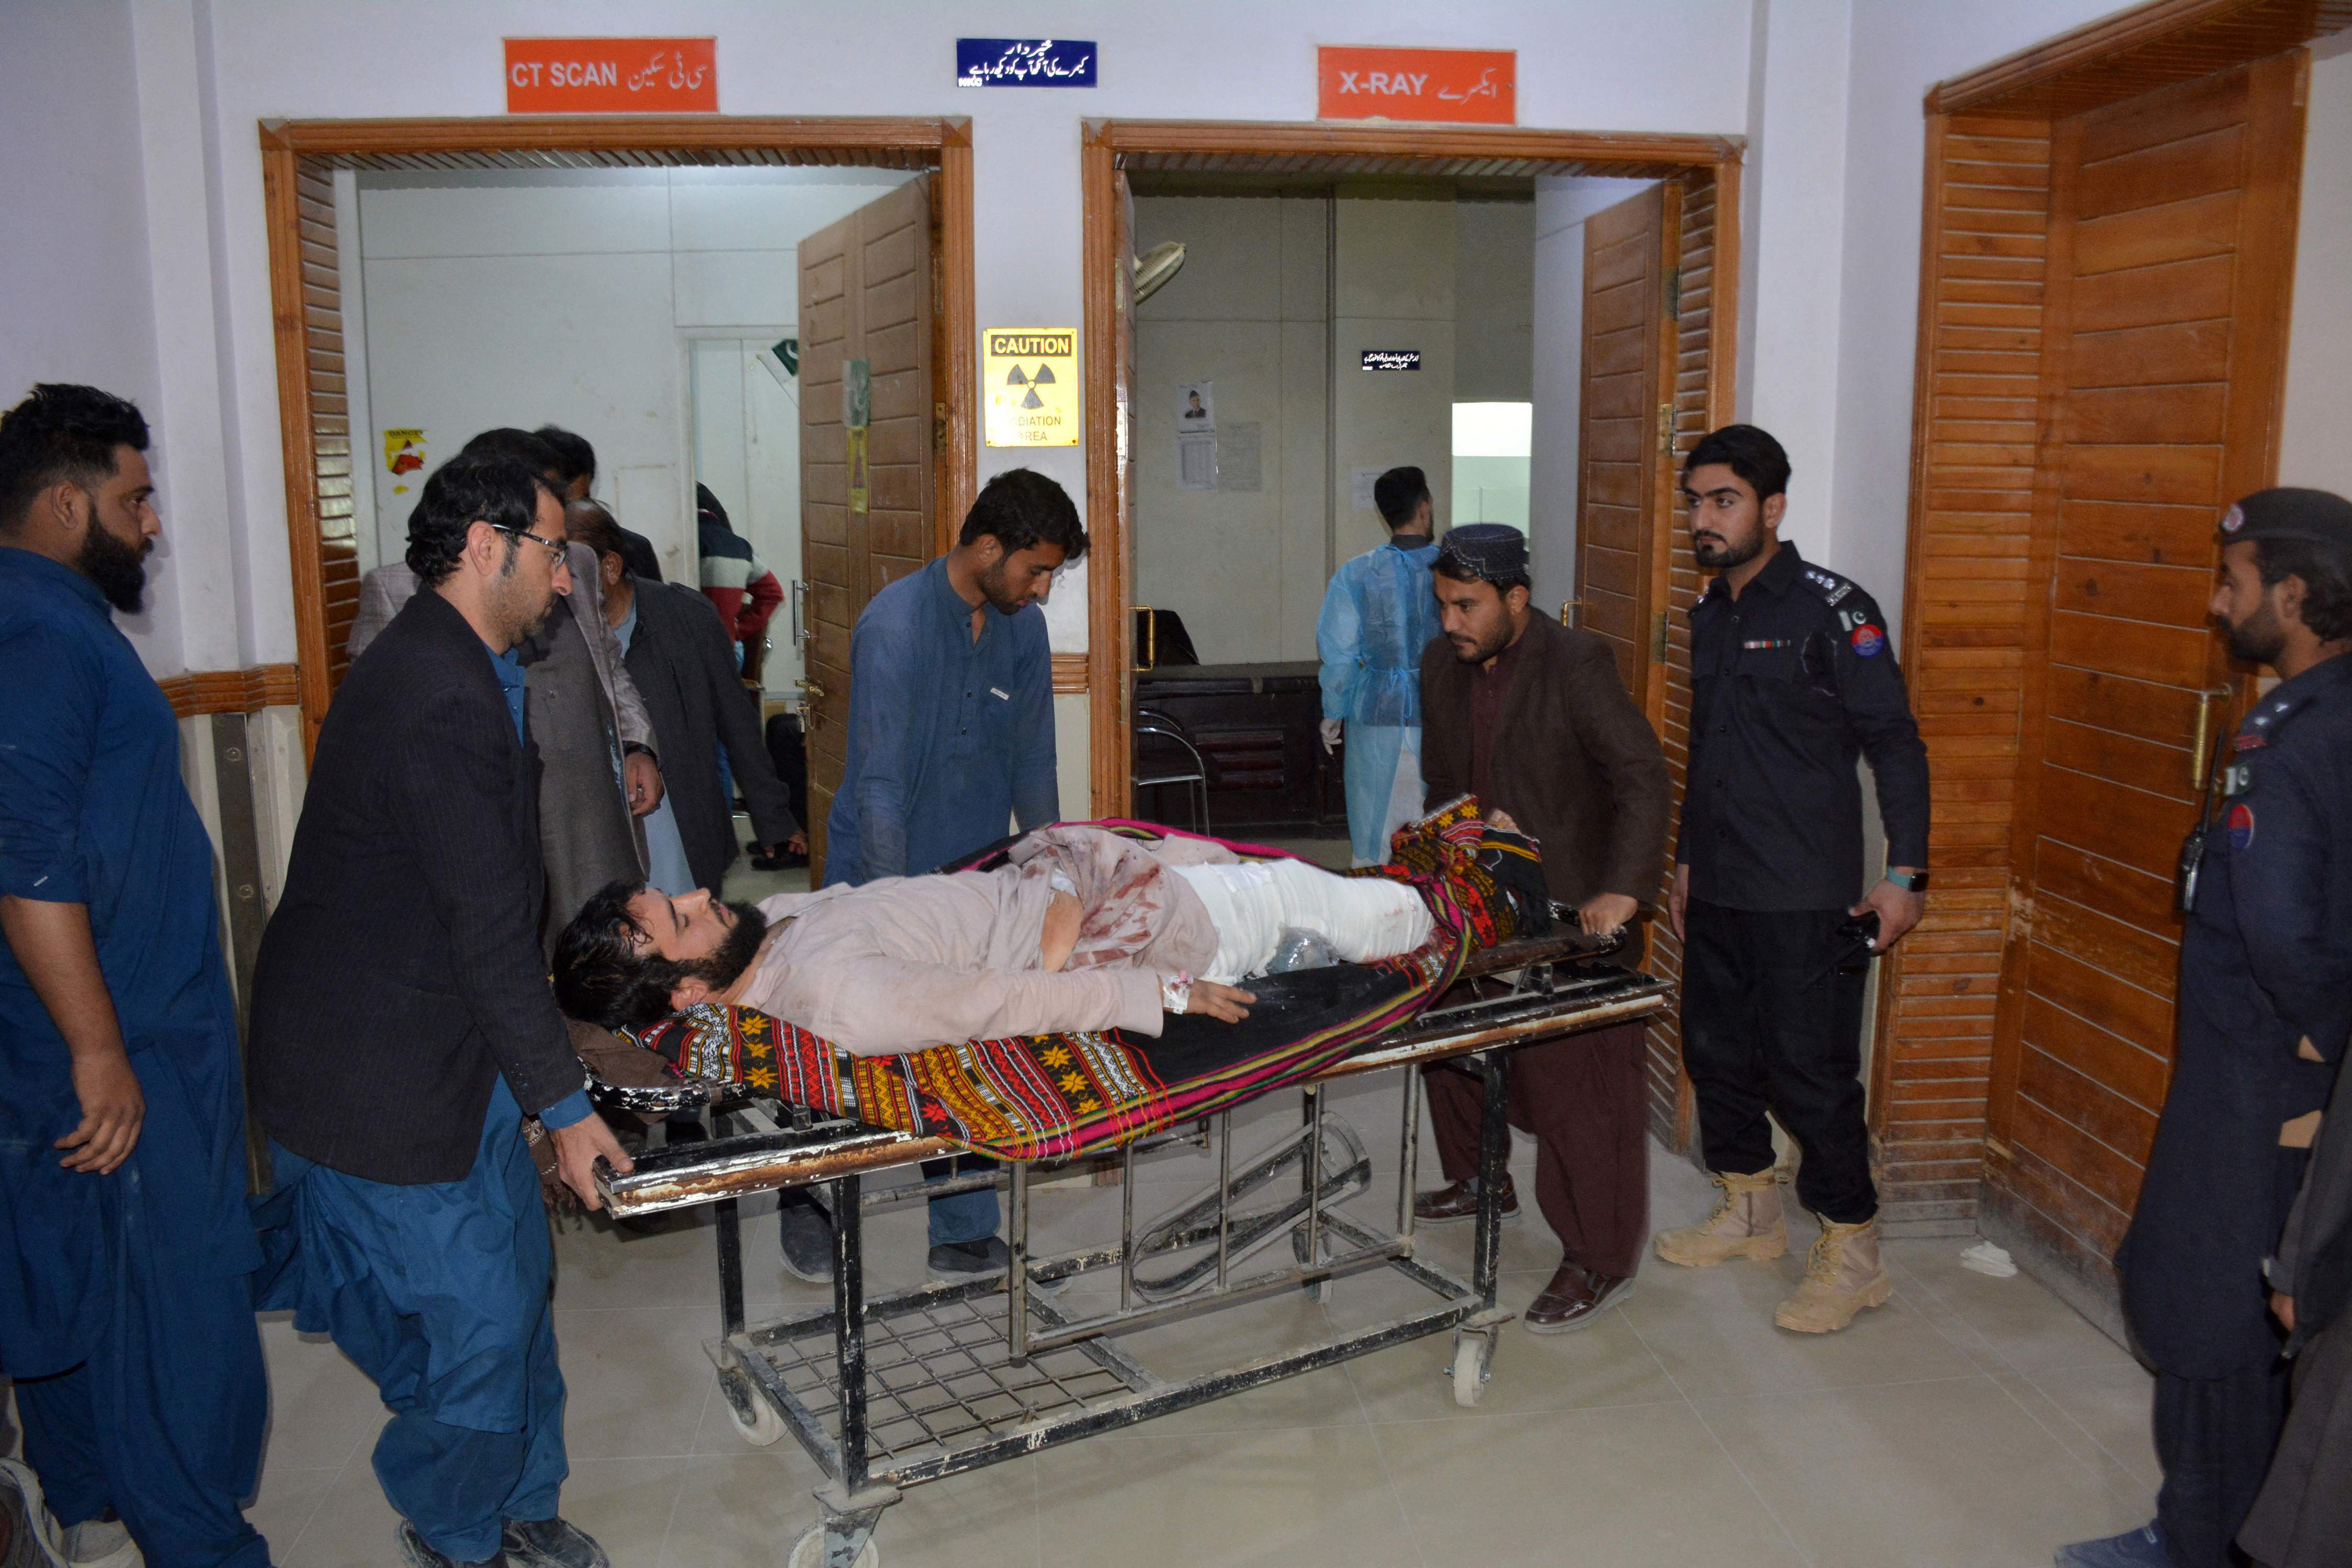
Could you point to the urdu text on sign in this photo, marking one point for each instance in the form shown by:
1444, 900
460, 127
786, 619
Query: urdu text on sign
1469, 87
612, 76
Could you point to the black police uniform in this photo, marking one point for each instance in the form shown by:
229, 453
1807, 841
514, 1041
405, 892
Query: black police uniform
1790, 682
2265, 964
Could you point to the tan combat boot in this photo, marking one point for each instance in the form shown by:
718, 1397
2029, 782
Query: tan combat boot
1842, 1277
1746, 1223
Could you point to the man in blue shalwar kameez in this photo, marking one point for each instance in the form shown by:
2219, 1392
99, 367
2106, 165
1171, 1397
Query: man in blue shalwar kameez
1378, 615
126, 1307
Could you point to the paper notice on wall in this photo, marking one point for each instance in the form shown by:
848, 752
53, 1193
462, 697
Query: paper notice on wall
1241, 457
1196, 407
1360, 488
1196, 462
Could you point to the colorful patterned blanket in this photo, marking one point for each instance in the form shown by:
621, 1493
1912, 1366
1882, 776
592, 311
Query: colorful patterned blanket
1048, 1096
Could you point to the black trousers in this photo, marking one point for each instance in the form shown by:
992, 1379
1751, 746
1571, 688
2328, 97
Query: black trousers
2215, 1436
1768, 1024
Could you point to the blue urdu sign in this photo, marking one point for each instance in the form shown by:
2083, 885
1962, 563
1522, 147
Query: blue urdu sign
1024, 62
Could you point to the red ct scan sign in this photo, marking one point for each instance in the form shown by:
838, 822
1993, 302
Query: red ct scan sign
1473, 87
612, 76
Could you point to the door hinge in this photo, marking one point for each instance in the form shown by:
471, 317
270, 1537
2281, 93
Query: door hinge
1657, 636
939, 429
1665, 430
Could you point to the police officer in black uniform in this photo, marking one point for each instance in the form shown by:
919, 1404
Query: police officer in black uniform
2265, 1005
1792, 679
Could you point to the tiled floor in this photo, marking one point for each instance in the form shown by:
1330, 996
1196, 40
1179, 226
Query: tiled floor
1972, 1421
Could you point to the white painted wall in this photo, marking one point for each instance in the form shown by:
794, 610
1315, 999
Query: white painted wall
2316, 445
1494, 300
572, 297
1392, 288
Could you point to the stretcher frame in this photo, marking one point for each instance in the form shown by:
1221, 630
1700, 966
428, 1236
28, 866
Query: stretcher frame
909, 1388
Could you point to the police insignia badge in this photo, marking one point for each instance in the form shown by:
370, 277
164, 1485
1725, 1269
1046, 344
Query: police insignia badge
1868, 640
2242, 826
2232, 520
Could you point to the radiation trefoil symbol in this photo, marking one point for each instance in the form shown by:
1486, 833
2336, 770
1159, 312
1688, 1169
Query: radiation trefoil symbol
1044, 377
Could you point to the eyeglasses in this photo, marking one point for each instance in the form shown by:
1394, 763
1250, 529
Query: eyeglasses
552, 547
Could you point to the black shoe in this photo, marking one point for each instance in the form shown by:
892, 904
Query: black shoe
956, 1261
805, 1231
550, 1543
419, 1556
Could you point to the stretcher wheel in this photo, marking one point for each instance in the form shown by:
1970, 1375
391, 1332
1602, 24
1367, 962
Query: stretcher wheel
756, 1421
1470, 1353
808, 1552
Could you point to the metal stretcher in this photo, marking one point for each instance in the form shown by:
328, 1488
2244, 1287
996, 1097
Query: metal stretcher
893, 1391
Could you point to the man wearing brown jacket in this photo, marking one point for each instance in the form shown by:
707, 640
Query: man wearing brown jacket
1532, 718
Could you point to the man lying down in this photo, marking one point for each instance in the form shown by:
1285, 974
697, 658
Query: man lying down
1080, 930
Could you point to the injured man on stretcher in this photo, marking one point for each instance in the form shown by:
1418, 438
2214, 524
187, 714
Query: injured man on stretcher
1080, 929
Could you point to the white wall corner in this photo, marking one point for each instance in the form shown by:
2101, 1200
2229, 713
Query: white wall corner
1801, 253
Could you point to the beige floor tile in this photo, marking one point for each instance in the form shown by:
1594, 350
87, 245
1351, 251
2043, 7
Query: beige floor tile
289, 1498
635, 1382
322, 1409
2017, 1320
1638, 1486
1296, 1498
1947, 1474
739, 1511
353, 1527
1219, 1342
1713, 1329
2113, 1406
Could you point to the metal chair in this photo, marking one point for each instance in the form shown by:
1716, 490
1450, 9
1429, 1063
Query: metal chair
1149, 723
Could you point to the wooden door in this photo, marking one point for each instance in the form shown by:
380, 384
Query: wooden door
2171, 244
866, 288
1625, 434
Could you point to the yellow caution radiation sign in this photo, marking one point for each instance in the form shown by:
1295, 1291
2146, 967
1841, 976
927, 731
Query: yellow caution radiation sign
1031, 377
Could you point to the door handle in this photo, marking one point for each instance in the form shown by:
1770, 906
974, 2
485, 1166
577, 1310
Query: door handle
801, 630
2200, 750
1565, 606
812, 694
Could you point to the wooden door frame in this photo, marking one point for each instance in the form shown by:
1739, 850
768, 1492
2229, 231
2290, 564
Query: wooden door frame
1240, 145
943, 144
2111, 61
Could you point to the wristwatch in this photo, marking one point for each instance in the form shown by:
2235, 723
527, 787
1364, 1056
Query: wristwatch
1909, 880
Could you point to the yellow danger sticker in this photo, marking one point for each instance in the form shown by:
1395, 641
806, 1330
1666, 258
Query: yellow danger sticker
1030, 375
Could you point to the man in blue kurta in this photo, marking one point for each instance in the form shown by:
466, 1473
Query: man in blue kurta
950, 744
126, 1307
1378, 615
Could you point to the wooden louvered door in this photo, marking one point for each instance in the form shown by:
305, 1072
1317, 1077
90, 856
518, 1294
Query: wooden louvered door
866, 293
1625, 464
2163, 333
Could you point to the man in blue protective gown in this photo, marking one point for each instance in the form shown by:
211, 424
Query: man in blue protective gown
126, 1304
1378, 615
402, 1027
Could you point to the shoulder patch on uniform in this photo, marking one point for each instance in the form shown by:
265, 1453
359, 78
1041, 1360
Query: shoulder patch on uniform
1828, 584
2242, 826
1868, 640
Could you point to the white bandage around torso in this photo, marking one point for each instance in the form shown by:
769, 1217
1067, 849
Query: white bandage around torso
1253, 904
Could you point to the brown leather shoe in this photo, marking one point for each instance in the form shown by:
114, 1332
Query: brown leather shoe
1575, 1299
1455, 1201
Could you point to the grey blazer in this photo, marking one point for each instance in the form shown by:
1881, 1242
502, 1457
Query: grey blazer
383, 591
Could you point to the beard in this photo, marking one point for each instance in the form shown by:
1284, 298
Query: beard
996, 587
2259, 639
724, 964
1479, 650
527, 619
1715, 553
118, 569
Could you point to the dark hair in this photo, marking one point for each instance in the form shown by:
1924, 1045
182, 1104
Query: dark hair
1748, 452
1021, 507
2326, 581
601, 977
470, 487
590, 524
1399, 494
62, 433
573, 457
516, 446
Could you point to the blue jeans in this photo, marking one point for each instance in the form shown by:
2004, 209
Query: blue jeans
960, 1216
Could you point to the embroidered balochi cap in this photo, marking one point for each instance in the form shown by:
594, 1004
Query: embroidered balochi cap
1488, 552
2289, 513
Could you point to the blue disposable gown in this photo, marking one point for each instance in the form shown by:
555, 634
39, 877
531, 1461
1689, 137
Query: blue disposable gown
1378, 615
